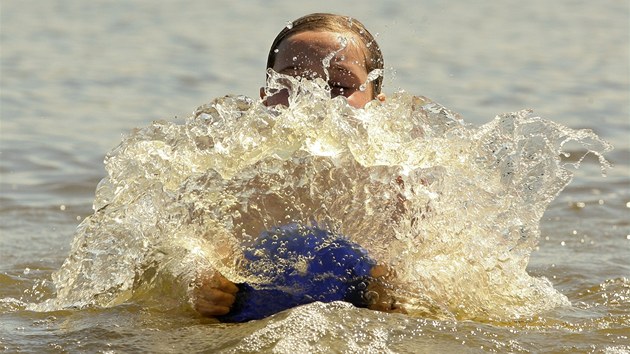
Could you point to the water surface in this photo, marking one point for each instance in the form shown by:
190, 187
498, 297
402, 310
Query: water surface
76, 76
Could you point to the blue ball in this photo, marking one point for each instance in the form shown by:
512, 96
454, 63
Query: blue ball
302, 264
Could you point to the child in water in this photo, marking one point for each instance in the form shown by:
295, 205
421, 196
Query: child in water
302, 49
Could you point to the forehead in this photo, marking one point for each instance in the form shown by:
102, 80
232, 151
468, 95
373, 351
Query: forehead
313, 47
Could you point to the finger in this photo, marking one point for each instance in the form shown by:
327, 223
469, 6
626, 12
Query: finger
208, 309
218, 297
227, 286
218, 281
378, 271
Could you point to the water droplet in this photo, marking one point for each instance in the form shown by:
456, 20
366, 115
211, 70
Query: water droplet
289, 25
374, 74
27, 271
276, 50
294, 58
62, 207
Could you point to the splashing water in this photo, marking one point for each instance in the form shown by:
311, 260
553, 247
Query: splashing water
343, 43
372, 75
451, 209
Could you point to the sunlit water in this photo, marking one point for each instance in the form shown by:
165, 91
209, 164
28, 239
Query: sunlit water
487, 256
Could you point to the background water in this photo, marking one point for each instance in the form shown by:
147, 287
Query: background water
76, 75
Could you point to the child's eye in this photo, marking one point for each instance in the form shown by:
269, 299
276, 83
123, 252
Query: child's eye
337, 85
338, 89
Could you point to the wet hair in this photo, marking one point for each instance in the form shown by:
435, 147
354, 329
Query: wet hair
324, 22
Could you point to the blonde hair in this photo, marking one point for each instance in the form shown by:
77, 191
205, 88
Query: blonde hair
322, 22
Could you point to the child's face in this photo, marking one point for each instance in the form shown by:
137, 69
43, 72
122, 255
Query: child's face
302, 55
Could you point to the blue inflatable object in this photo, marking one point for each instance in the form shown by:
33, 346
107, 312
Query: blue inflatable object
302, 264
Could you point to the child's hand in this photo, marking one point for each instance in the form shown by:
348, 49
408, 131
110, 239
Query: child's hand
214, 295
379, 292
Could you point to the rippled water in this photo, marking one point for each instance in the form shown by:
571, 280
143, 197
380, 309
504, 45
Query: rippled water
74, 82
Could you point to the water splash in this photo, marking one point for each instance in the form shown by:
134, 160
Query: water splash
343, 43
372, 75
453, 210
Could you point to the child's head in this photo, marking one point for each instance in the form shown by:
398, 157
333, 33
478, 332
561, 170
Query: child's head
301, 47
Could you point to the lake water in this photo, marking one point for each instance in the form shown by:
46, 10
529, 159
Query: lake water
77, 77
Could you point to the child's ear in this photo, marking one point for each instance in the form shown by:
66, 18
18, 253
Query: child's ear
263, 96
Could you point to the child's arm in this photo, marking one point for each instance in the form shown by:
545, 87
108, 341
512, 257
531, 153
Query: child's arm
214, 295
